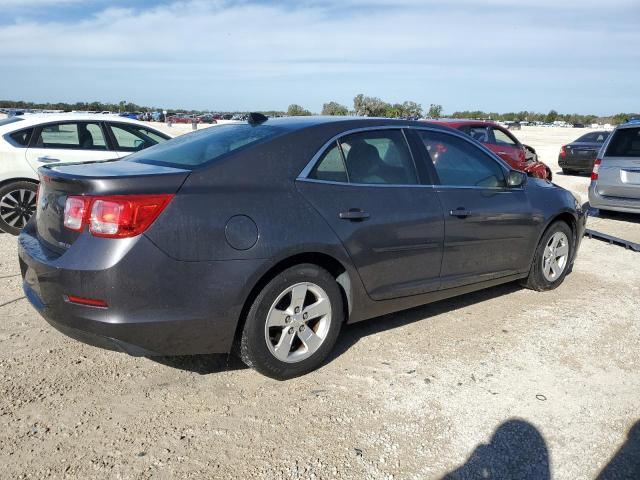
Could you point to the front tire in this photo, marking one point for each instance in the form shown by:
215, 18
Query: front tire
17, 205
293, 323
551, 260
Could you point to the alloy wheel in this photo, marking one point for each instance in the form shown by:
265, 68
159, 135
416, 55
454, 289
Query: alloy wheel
555, 257
17, 207
298, 322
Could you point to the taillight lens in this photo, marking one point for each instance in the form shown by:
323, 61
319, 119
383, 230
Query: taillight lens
116, 216
75, 213
563, 152
596, 169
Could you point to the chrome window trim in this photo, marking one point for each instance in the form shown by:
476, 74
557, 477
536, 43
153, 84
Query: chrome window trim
383, 185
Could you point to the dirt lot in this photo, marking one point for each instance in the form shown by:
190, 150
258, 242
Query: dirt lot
504, 383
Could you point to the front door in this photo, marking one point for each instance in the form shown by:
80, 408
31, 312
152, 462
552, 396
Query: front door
367, 189
489, 228
67, 142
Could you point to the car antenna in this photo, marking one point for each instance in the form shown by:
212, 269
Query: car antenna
255, 118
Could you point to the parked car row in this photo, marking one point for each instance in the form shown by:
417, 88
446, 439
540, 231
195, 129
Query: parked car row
266, 237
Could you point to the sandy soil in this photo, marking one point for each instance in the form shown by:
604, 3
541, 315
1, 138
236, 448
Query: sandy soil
503, 383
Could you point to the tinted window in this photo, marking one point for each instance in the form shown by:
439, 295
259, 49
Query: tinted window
21, 138
598, 137
330, 167
380, 156
625, 143
197, 148
459, 163
7, 121
481, 134
131, 138
72, 136
502, 138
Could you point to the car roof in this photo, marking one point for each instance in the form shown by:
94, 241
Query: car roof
297, 123
459, 122
30, 120
633, 123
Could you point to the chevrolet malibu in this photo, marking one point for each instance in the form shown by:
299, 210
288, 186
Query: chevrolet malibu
266, 237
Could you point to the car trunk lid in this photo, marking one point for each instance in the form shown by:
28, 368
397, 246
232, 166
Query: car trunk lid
97, 178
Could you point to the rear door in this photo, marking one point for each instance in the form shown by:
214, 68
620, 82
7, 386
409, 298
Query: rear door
619, 174
489, 228
366, 187
66, 142
127, 138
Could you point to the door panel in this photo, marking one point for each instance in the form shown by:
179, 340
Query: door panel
397, 247
489, 228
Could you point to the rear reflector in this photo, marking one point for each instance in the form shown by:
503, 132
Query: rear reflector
116, 216
91, 302
596, 169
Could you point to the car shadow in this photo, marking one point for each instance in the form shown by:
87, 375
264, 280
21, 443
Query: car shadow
617, 216
202, 364
573, 174
516, 450
352, 333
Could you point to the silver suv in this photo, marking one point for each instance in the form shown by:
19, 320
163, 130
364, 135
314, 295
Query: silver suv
615, 181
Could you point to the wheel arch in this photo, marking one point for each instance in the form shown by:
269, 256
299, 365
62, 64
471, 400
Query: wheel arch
334, 266
18, 179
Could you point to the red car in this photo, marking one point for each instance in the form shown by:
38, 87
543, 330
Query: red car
503, 143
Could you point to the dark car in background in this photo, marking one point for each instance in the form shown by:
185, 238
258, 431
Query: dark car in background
579, 155
266, 237
502, 142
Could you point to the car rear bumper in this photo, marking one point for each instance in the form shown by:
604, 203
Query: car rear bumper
155, 305
577, 164
617, 204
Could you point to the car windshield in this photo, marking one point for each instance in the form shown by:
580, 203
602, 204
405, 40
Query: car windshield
7, 121
197, 148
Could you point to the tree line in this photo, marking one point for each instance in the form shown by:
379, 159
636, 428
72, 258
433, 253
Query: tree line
363, 105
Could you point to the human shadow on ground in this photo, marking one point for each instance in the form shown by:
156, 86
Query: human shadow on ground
625, 464
516, 451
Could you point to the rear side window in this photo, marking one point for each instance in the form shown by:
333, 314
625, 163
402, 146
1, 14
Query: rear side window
197, 148
461, 164
131, 138
625, 143
22, 137
330, 167
71, 136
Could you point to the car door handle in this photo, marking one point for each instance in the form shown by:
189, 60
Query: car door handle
48, 159
354, 214
460, 212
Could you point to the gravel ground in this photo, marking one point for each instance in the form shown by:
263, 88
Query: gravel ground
503, 383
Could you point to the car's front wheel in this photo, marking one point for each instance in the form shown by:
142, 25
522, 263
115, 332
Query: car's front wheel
17, 205
551, 260
293, 323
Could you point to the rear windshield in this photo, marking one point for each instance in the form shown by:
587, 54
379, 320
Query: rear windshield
625, 143
596, 137
7, 121
197, 148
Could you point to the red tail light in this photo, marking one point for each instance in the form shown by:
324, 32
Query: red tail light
596, 169
563, 152
91, 302
115, 216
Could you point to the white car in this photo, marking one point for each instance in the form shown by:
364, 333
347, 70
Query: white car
30, 141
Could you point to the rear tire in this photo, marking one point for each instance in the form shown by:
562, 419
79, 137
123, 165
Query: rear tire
17, 205
551, 260
293, 323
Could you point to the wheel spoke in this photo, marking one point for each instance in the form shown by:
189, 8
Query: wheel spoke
11, 218
277, 318
555, 268
562, 250
317, 309
31, 197
283, 347
298, 294
547, 267
310, 339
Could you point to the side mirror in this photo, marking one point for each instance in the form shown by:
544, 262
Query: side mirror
516, 179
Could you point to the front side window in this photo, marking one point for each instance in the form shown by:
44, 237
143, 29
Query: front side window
625, 143
459, 163
131, 138
71, 136
501, 138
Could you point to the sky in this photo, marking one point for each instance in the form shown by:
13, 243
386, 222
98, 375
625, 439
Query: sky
575, 56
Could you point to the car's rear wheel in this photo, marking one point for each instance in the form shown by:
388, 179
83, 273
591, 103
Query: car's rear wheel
17, 205
293, 323
551, 261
